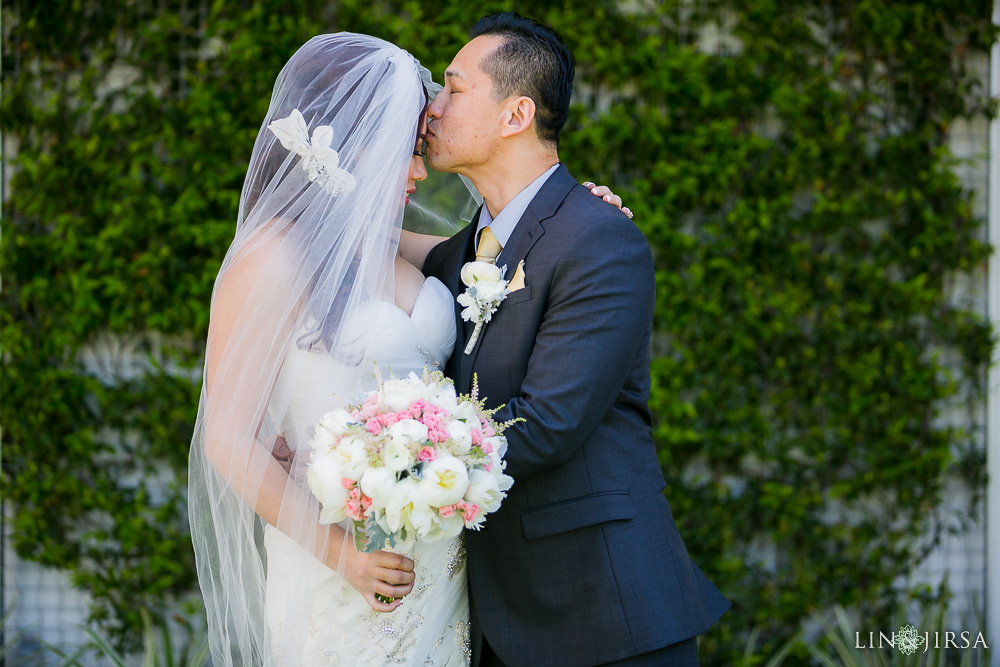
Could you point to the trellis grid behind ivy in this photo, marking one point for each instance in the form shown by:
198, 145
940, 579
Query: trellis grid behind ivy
791, 173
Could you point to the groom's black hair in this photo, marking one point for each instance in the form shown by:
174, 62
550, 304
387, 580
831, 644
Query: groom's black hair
532, 61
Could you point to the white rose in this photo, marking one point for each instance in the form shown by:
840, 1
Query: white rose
461, 434
326, 482
399, 394
397, 456
491, 291
377, 484
444, 482
478, 271
484, 490
352, 455
336, 421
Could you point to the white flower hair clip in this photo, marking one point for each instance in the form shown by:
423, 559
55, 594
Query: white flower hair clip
320, 162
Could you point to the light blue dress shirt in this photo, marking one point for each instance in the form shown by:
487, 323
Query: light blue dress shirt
507, 219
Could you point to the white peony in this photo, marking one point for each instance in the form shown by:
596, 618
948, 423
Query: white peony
325, 480
407, 432
352, 455
323, 440
407, 507
400, 394
444, 481
461, 435
337, 421
377, 484
444, 397
497, 443
480, 271
484, 490
466, 410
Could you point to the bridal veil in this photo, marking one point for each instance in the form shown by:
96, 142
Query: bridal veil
316, 235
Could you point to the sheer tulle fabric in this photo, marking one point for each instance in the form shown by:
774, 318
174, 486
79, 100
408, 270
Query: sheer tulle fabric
294, 319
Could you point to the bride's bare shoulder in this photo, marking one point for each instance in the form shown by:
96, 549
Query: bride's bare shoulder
260, 258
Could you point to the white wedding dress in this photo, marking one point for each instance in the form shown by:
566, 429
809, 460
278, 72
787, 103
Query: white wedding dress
336, 626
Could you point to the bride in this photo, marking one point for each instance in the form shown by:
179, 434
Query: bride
312, 293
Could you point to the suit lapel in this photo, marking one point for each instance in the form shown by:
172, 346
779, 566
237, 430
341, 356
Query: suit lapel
526, 233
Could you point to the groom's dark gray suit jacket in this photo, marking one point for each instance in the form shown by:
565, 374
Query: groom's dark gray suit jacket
582, 564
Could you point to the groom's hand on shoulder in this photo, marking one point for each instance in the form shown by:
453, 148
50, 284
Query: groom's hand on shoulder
605, 193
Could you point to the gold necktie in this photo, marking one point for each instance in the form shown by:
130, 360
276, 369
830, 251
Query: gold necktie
489, 247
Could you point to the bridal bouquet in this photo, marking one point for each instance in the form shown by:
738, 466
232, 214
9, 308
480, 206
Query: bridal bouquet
413, 461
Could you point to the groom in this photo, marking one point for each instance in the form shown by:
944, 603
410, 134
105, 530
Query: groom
582, 565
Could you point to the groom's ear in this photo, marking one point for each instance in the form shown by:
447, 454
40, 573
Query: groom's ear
517, 116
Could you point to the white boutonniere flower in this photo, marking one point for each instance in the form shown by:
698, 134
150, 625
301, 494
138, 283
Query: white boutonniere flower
485, 290
320, 162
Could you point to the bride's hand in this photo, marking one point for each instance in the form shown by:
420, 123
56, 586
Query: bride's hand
382, 572
605, 193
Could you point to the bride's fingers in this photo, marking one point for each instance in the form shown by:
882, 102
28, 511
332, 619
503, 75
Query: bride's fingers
393, 591
605, 193
395, 577
393, 561
380, 606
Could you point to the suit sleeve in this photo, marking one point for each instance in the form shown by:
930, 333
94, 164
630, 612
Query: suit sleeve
598, 318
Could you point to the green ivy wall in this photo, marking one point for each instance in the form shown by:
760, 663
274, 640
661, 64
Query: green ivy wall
792, 176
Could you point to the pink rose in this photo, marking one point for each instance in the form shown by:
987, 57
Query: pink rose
487, 448
488, 430
373, 427
431, 422
347, 482
438, 435
355, 493
390, 418
447, 511
427, 454
366, 502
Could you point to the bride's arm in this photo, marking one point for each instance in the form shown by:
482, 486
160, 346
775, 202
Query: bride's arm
234, 400
413, 247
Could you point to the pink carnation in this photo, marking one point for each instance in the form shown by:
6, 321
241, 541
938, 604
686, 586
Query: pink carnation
354, 510
470, 511
427, 454
477, 436
488, 430
373, 427
487, 448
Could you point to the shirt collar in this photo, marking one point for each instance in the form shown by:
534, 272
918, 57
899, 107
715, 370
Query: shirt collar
507, 219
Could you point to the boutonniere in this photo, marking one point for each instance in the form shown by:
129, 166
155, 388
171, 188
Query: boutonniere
485, 291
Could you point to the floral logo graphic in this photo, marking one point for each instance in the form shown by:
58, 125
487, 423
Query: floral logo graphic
907, 640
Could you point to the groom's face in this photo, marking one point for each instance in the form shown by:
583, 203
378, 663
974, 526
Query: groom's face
464, 122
